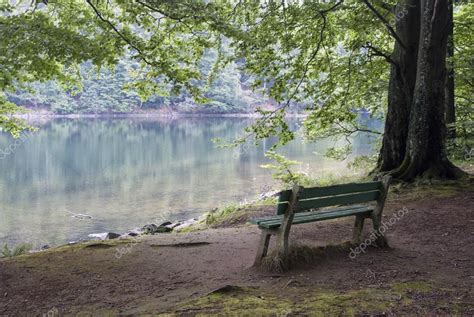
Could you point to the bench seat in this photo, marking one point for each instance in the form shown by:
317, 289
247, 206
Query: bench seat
273, 222
301, 205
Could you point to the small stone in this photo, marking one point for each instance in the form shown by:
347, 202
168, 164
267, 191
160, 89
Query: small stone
173, 225
186, 224
135, 232
98, 236
104, 236
163, 230
150, 228
45, 247
112, 235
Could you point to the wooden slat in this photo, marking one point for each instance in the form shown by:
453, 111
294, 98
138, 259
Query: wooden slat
313, 192
313, 214
302, 214
338, 200
283, 201
320, 192
316, 217
304, 217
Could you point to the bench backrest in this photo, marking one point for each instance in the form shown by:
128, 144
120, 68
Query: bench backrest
344, 194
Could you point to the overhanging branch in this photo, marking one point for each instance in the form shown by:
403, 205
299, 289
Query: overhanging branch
385, 22
377, 52
313, 55
119, 33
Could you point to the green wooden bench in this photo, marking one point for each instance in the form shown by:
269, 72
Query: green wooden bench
297, 206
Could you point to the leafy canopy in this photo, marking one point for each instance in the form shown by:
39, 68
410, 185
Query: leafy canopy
332, 57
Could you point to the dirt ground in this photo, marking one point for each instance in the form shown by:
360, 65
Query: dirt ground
429, 270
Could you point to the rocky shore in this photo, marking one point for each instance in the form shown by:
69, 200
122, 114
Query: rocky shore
148, 229
160, 226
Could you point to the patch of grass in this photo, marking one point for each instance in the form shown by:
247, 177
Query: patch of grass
329, 179
241, 301
395, 299
430, 188
217, 214
88, 245
352, 303
15, 251
404, 287
229, 215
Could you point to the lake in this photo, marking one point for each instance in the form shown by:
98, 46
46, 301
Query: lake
128, 172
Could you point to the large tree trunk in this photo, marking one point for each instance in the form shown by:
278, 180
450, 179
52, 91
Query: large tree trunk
450, 106
401, 85
425, 152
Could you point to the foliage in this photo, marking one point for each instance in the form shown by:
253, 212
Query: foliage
329, 57
18, 250
38, 44
363, 162
283, 169
461, 147
8, 122
298, 51
112, 91
213, 216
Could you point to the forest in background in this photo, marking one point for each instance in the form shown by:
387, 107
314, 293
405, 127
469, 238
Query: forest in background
111, 91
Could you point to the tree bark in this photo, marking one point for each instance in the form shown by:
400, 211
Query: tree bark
425, 152
401, 85
450, 105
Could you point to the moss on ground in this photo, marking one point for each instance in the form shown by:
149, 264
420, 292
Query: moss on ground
88, 245
430, 188
413, 297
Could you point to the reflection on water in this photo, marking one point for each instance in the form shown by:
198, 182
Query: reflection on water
127, 172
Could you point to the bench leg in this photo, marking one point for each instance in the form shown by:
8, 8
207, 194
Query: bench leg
380, 239
358, 227
262, 247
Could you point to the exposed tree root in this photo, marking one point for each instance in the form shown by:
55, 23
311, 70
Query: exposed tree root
409, 170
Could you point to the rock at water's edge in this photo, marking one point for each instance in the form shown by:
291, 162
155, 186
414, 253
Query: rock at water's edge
104, 236
186, 224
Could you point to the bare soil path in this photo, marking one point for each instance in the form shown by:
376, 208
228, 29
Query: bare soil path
432, 245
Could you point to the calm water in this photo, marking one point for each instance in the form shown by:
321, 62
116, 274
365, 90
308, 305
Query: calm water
128, 172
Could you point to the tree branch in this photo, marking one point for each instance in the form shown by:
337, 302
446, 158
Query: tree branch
120, 34
377, 52
165, 14
355, 129
322, 13
385, 5
385, 22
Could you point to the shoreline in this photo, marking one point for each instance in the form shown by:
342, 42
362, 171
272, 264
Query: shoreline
49, 115
153, 227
